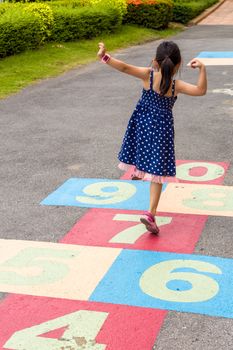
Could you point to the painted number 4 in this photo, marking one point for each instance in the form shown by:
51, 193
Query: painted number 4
80, 330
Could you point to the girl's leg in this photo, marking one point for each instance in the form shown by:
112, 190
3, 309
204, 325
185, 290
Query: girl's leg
148, 218
155, 193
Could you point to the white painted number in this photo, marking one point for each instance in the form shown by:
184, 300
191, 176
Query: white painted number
213, 171
131, 234
154, 281
82, 327
95, 193
50, 265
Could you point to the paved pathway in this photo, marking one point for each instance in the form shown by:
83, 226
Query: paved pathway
222, 16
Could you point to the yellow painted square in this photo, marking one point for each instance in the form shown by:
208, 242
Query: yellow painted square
197, 199
53, 269
215, 61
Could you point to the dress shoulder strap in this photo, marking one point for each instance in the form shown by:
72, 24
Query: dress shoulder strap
173, 87
151, 78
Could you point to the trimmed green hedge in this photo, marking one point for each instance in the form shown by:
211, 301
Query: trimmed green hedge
23, 1
185, 10
19, 31
65, 3
151, 14
26, 26
78, 23
121, 5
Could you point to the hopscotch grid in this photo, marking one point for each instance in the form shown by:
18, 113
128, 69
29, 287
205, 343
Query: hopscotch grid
194, 255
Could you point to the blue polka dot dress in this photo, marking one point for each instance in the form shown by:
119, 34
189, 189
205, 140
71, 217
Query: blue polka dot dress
148, 143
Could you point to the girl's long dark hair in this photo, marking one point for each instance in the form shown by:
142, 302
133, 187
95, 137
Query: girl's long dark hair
168, 56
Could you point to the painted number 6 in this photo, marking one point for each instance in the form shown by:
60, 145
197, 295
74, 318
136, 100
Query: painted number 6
158, 278
107, 192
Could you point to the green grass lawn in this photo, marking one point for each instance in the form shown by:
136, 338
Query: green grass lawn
52, 59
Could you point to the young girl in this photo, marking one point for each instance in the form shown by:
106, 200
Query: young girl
148, 143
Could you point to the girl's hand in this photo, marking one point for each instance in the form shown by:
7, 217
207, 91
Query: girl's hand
195, 63
102, 50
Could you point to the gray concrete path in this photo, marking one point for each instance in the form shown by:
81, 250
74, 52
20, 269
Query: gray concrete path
72, 126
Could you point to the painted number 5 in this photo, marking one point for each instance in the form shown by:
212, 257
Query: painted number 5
163, 282
107, 193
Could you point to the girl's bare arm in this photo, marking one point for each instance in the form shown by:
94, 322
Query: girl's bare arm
138, 72
190, 89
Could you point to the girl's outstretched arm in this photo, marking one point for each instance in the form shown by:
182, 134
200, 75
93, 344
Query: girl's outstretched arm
138, 72
190, 89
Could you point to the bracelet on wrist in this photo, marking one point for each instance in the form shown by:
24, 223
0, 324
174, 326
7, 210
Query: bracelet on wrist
105, 58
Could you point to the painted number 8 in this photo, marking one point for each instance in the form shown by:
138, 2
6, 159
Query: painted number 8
158, 278
107, 192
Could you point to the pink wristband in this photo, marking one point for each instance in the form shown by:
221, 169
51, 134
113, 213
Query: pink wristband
105, 58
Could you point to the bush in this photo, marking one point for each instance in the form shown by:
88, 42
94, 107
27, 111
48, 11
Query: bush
184, 11
153, 14
66, 3
43, 13
19, 31
4, 7
23, 1
26, 26
72, 24
121, 5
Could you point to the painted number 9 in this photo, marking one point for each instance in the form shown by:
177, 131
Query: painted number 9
162, 282
107, 192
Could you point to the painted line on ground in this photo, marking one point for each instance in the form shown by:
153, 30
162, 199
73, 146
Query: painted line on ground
216, 58
171, 281
215, 54
176, 198
53, 269
122, 229
44, 320
198, 199
193, 171
41, 323
199, 192
187, 283
101, 193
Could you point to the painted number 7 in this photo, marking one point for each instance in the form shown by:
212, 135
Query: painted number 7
131, 234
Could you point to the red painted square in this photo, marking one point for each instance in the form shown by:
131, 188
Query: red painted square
124, 328
195, 174
97, 228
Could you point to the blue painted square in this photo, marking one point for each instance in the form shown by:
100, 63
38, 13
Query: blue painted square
101, 193
188, 283
215, 54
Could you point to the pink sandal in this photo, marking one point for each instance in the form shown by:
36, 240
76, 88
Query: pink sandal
149, 221
135, 178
